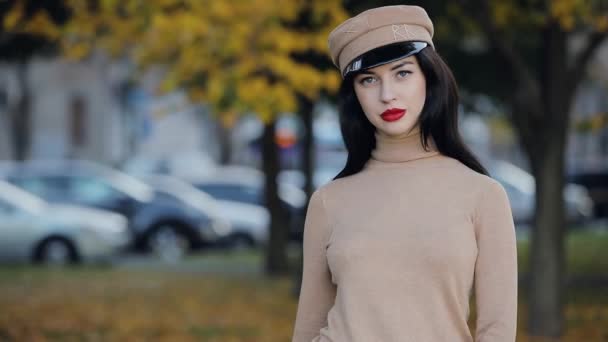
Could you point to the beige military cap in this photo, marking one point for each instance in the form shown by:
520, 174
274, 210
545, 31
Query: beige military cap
382, 30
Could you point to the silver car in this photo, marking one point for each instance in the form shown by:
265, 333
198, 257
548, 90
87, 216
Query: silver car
33, 230
244, 224
521, 190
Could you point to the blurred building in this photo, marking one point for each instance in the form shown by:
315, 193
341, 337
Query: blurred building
90, 110
74, 109
170, 124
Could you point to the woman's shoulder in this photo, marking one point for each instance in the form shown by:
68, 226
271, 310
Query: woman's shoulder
486, 188
333, 186
471, 178
339, 188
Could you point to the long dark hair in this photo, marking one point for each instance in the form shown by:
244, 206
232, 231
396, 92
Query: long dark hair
438, 119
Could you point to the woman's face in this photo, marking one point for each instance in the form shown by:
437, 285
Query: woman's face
392, 95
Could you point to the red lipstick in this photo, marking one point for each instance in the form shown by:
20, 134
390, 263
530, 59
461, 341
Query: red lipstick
393, 114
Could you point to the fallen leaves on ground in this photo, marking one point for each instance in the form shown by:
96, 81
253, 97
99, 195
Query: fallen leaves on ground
124, 305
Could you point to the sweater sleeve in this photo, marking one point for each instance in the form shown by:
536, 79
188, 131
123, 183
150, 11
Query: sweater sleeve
496, 267
317, 293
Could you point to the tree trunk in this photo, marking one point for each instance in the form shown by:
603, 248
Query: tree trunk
308, 165
225, 143
547, 262
547, 258
541, 110
276, 254
20, 116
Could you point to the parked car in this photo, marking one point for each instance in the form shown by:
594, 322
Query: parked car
249, 223
246, 185
596, 183
521, 190
33, 230
159, 222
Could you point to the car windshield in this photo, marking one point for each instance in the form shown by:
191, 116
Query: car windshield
183, 191
128, 184
232, 192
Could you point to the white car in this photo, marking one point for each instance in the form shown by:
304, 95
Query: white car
246, 225
33, 230
251, 181
520, 187
250, 223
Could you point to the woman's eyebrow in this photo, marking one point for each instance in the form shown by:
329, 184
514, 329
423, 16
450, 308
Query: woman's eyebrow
400, 65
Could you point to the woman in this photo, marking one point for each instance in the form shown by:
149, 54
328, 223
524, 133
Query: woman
412, 226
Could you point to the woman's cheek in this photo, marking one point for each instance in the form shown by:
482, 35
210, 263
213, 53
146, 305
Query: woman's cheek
364, 98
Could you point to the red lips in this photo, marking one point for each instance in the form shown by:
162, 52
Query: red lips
393, 114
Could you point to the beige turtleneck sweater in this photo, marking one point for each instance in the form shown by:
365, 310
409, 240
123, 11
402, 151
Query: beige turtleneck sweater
393, 253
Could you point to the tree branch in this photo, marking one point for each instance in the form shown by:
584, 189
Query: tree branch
577, 70
481, 11
524, 78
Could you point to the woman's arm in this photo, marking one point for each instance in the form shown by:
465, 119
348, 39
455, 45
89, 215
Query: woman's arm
317, 293
496, 267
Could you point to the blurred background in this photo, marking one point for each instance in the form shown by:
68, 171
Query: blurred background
157, 157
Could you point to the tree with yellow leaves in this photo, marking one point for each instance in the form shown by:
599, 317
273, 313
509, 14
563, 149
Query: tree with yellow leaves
238, 56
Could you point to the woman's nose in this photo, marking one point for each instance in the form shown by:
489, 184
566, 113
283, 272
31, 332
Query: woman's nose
387, 92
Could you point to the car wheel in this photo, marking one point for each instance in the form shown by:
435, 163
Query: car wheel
168, 243
56, 252
241, 242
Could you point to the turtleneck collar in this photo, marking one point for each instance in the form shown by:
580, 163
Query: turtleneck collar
402, 149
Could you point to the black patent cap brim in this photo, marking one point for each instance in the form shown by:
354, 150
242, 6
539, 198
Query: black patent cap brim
383, 55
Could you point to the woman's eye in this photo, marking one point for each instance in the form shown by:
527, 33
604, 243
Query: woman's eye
403, 73
367, 80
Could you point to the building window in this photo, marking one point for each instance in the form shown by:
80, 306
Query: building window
78, 120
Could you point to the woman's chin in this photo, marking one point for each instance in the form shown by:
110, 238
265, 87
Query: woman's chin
395, 129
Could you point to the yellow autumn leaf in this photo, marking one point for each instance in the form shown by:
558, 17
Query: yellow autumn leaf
41, 24
14, 16
601, 23
209, 49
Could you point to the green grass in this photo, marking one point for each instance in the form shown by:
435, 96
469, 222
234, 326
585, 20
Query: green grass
586, 253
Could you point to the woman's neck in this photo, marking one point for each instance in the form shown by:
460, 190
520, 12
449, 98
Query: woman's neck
403, 148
